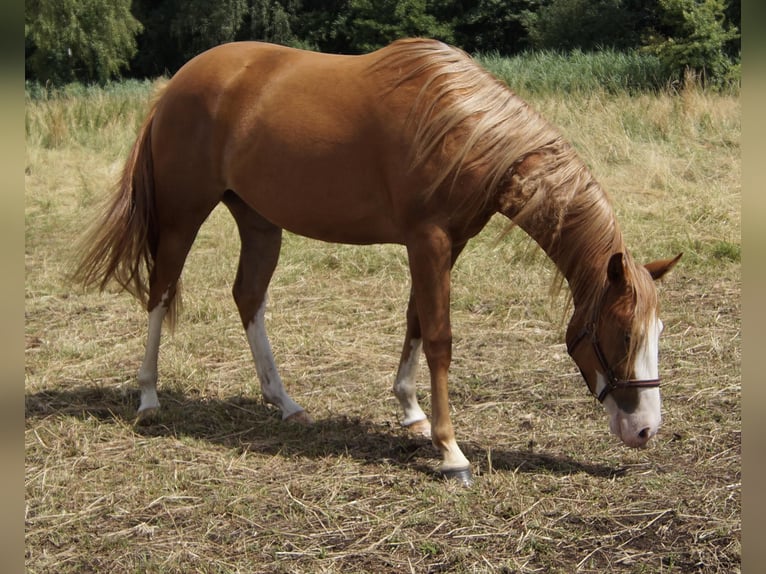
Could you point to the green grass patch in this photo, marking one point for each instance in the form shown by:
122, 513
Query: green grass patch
547, 72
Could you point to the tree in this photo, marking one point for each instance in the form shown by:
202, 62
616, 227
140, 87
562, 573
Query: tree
78, 40
493, 25
371, 24
313, 24
581, 24
695, 37
201, 24
177, 30
734, 17
271, 21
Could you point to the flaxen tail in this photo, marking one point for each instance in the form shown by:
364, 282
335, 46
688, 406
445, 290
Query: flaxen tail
122, 244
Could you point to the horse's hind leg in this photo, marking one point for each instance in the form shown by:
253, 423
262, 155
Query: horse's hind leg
172, 248
147, 373
406, 376
259, 254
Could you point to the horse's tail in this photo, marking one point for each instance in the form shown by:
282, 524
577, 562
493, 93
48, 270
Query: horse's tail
122, 245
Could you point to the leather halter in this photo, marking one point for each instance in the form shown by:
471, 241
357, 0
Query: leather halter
613, 382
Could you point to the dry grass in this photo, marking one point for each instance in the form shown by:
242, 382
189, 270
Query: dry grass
219, 484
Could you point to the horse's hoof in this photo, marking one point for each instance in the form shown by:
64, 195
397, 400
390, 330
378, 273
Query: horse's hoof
420, 428
145, 416
461, 475
301, 418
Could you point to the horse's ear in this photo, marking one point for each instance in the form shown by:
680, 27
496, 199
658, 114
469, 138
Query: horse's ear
615, 270
658, 268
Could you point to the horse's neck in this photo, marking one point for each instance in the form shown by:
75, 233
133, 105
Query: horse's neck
569, 217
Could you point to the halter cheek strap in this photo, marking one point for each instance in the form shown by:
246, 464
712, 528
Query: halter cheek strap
613, 382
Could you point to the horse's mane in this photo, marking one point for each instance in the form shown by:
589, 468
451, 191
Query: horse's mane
459, 100
489, 130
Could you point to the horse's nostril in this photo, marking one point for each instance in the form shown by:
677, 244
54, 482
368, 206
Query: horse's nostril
644, 433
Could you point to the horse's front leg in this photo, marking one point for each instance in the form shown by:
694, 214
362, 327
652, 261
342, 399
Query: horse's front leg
405, 384
430, 253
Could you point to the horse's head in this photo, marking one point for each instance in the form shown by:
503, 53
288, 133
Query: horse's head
615, 344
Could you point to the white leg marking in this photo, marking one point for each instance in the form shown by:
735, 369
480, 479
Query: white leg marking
404, 385
271, 383
147, 373
637, 427
453, 457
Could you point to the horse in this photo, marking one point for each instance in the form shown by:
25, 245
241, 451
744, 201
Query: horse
413, 144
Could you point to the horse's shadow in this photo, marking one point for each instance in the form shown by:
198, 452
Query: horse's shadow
245, 424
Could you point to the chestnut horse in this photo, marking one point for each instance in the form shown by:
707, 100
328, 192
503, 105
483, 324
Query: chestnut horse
413, 144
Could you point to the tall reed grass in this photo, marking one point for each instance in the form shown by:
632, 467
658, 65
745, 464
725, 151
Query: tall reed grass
92, 117
578, 72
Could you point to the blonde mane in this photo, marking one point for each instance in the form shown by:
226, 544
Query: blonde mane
460, 102
490, 131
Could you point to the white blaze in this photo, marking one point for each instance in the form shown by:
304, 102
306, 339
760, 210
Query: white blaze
637, 427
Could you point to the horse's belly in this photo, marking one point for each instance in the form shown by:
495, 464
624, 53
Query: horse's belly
330, 184
336, 214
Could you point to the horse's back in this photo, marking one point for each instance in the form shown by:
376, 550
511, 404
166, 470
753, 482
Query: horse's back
237, 88
252, 86
318, 144
302, 137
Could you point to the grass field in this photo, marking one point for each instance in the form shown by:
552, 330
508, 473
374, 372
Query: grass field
218, 484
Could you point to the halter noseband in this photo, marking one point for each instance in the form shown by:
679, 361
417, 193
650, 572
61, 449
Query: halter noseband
613, 383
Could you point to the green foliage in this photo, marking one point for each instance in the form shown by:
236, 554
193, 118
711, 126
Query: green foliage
315, 24
728, 251
200, 24
177, 30
84, 40
494, 26
696, 39
371, 24
583, 24
272, 21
